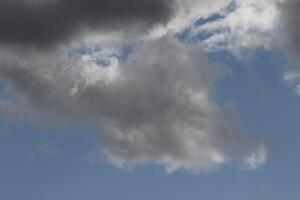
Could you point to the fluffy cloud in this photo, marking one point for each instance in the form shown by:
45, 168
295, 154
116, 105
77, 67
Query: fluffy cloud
292, 77
154, 107
243, 25
156, 104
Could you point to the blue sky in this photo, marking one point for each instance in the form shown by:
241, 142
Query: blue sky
51, 146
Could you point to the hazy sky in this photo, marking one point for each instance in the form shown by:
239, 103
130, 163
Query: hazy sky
149, 99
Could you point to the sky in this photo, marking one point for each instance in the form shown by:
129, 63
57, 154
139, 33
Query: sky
140, 99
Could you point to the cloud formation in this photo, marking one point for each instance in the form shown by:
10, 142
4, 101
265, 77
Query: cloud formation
155, 107
290, 40
155, 104
46, 22
242, 26
291, 23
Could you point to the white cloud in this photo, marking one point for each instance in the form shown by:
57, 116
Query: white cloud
256, 159
292, 77
191, 10
251, 25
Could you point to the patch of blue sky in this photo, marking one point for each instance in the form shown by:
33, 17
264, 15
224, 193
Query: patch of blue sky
5, 96
231, 7
121, 53
2, 88
126, 51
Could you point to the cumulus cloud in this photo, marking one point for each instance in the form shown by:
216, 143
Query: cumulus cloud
155, 107
153, 99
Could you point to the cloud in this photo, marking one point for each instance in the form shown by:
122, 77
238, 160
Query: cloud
292, 78
155, 107
290, 25
241, 26
153, 99
290, 41
188, 12
44, 23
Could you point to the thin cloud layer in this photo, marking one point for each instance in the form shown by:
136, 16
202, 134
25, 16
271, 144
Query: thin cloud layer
156, 107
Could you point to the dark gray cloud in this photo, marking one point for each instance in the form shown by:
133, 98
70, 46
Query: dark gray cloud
291, 24
44, 23
289, 35
156, 107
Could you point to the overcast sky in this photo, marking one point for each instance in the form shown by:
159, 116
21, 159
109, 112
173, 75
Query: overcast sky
144, 99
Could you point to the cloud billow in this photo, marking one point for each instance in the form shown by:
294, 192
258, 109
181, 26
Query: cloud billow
155, 107
47, 22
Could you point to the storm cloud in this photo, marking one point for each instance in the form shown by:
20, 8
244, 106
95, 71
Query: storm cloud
44, 23
291, 24
290, 40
